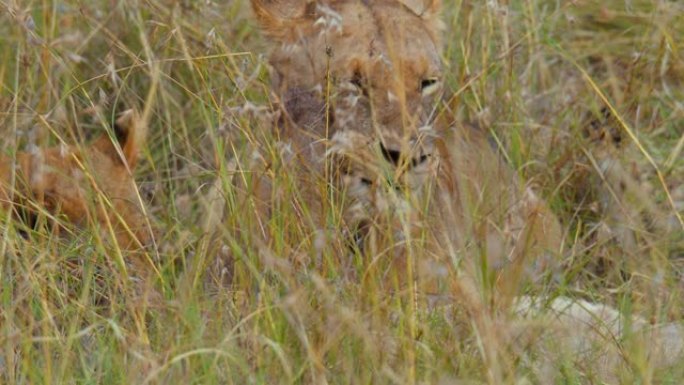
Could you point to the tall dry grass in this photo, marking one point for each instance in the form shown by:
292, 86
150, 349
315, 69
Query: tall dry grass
584, 99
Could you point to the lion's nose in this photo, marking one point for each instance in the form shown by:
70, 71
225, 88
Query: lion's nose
396, 157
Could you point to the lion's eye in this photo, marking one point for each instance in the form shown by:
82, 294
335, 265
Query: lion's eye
429, 86
356, 80
359, 82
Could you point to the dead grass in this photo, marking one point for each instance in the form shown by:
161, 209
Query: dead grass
539, 74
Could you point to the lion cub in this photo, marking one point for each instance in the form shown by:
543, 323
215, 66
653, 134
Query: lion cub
89, 184
359, 85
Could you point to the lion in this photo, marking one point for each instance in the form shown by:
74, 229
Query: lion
359, 88
82, 185
359, 85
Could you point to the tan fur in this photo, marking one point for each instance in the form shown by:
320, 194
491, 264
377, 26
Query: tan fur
465, 204
594, 337
359, 82
428, 201
83, 184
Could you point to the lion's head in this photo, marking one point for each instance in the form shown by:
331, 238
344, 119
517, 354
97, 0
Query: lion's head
365, 75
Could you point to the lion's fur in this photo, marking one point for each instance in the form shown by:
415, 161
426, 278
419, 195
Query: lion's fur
91, 184
359, 83
431, 195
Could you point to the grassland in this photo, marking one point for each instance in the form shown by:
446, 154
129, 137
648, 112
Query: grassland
539, 74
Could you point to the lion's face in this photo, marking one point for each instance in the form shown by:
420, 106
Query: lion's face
366, 75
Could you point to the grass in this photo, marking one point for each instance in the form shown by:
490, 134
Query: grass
536, 73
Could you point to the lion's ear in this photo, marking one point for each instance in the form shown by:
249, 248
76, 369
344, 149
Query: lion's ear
429, 11
129, 134
281, 20
424, 8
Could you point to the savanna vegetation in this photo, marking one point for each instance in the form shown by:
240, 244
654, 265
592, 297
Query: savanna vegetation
584, 99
